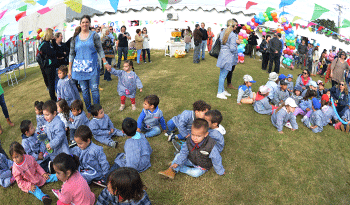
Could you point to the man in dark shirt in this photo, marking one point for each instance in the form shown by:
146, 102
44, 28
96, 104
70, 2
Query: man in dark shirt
197, 38
275, 46
204, 40
122, 45
309, 56
302, 49
252, 41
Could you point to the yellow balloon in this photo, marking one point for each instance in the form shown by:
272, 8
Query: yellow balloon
42, 34
282, 32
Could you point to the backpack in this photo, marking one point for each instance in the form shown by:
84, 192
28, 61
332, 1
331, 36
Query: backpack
40, 58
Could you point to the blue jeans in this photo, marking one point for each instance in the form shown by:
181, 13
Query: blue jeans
171, 128
189, 168
122, 51
154, 131
187, 47
196, 54
222, 77
3, 106
2, 151
38, 193
203, 45
138, 55
144, 51
107, 75
86, 86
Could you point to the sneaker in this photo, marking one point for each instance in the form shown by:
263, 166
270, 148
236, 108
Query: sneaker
145, 62
288, 125
226, 93
121, 108
171, 137
100, 183
114, 144
176, 145
55, 192
46, 200
221, 96
303, 119
72, 143
133, 107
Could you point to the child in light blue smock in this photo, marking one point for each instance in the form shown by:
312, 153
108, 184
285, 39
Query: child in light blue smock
290, 84
66, 88
77, 118
272, 84
316, 121
245, 94
102, 127
305, 105
216, 130
329, 115
283, 115
261, 104
40, 120
6, 178
281, 94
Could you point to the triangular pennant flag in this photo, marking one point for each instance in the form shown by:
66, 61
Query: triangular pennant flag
42, 2
75, 5
296, 26
310, 29
296, 18
2, 13
20, 15
283, 13
44, 10
346, 23
320, 28
20, 36
249, 4
2, 30
318, 11
30, 32
14, 43
114, 4
286, 3
228, 1
311, 24
23, 8
163, 4
64, 24
7, 43
11, 37
269, 9
32, 2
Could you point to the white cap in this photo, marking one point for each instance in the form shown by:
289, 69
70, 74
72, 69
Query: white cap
273, 76
248, 78
264, 89
291, 102
313, 83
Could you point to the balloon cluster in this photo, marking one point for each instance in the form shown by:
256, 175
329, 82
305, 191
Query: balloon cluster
331, 56
40, 34
263, 31
288, 57
241, 48
264, 17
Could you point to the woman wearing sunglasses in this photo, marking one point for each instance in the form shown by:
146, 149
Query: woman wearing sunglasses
303, 80
337, 68
340, 96
145, 47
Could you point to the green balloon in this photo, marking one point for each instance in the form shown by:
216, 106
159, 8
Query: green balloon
288, 44
245, 41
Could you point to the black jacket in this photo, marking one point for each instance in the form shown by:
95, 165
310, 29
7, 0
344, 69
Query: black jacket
204, 34
61, 51
302, 49
275, 45
49, 52
252, 40
263, 45
197, 35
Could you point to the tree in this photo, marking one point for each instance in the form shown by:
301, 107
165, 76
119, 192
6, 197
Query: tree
327, 24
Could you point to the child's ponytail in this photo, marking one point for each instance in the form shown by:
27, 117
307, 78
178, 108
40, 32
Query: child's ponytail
280, 107
65, 162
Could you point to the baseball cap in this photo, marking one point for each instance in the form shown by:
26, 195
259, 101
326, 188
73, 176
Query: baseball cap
313, 83
291, 102
248, 78
289, 76
281, 77
264, 89
316, 103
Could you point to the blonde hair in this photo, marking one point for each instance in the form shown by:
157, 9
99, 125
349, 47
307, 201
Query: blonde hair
103, 32
230, 25
48, 34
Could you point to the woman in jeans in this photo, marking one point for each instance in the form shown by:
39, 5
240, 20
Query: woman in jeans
188, 38
83, 62
107, 45
139, 44
145, 47
228, 56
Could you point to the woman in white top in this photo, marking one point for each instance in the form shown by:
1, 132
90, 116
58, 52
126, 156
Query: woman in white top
315, 60
145, 47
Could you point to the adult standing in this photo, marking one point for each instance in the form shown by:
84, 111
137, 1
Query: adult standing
210, 39
302, 49
107, 45
197, 37
204, 40
264, 49
252, 41
323, 61
112, 35
145, 46
309, 56
62, 51
188, 38
83, 62
337, 68
139, 44
275, 47
228, 56
98, 31
4, 109
122, 45
50, 62
315, 60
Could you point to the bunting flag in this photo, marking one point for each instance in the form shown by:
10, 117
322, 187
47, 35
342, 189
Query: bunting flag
320, 28
75, 5
11, 37
228, 1
249, 4
20, 15
20, 36
30, 32
329, 33
286, 3
14, 43
32, 2
23, 8
269, 9
2, 13
42, 2
311, 24
65, 25
164, 4
318, 11
114, 4
44, 10
296, 18
283, 13
296, 26
346, 23
310, 29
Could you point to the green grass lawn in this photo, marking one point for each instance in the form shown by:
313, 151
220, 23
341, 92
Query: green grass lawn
262, 166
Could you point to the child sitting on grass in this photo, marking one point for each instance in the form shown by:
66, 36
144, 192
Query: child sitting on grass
127, 83
77, 118
281, 94
346, 118
102, 127
261, 104
6, 178
151, 117
198, 155
183, 122
272, 84
124, 186
245, 94
75, 189
296, 96
316, 121
40, 119
305, 105
216, 130
56, 133
28, 173
284, 114
93, 161
137, 149
66, 87
329, 114
290, 84
63, 111
34, 147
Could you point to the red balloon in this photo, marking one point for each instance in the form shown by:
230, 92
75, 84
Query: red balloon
38, 37
256, 24
244, 28
253, 20
248, 31
285, 52
285, 28
258, 47
290, 26
275, 20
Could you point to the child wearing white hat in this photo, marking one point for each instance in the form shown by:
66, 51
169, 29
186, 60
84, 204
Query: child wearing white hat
272, 84
284, 114
245, 94
261, 104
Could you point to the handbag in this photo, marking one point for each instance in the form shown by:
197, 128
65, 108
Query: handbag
215, 51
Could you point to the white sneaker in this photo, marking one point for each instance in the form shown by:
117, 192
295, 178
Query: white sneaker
221, 96
226, 93
304, 118
288, 125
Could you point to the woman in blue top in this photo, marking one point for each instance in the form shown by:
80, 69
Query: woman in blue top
83, 61
228, 55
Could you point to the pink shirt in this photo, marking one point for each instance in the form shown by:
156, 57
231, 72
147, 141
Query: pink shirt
77, 191
28, 173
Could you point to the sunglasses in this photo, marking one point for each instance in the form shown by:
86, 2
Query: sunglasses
342, 84
305, 73
111, 29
